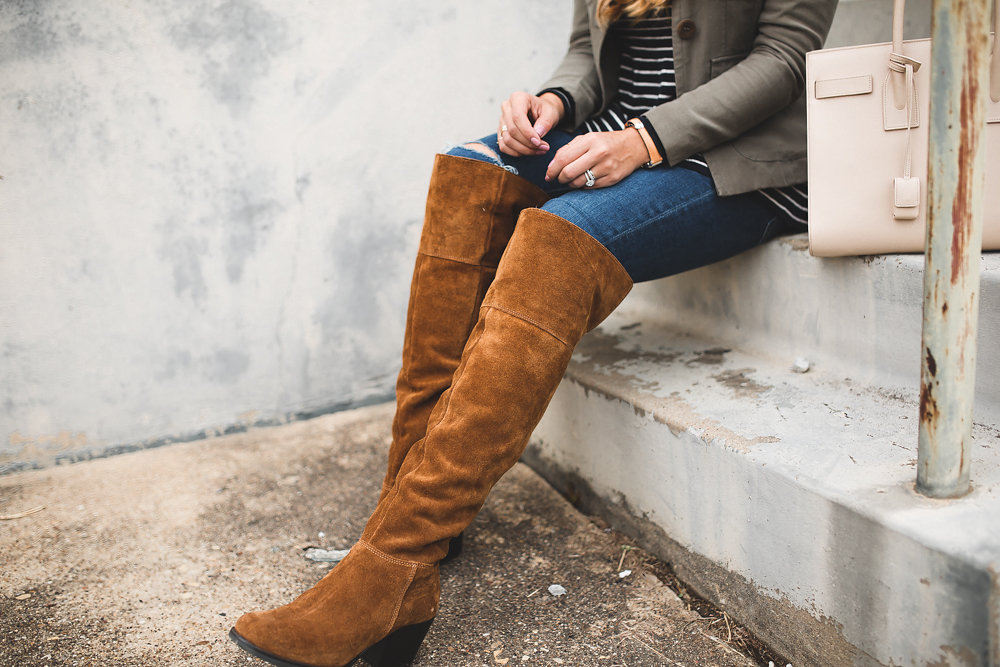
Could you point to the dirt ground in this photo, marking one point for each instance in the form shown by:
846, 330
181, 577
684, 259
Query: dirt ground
148, 559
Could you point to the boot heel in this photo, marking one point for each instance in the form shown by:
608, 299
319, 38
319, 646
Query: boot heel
398, 648
454, 549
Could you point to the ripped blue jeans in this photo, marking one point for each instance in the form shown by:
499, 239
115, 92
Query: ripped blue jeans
656, 222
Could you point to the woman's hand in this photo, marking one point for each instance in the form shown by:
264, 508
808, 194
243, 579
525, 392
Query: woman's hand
610, 157
524, 121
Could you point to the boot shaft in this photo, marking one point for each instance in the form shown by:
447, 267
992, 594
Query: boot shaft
471, 210
553, 284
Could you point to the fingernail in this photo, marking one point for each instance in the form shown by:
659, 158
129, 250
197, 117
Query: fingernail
536, 141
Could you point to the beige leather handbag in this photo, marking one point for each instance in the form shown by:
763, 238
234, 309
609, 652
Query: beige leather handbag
867, 117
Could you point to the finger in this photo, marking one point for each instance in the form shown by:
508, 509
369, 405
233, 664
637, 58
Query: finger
508, 144
575, 173
510, 109
542, 145
545, 118
564, 165
581, 181
564, 156
523, 129
506, 121
515, 149
512, 147
512, 141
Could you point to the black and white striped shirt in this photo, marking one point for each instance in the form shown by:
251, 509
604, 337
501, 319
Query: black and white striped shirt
646, 79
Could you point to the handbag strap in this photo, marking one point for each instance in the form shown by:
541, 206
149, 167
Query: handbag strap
908, 164
898, 11
906, 190
897, 61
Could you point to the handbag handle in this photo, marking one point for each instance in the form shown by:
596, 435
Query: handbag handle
897, 61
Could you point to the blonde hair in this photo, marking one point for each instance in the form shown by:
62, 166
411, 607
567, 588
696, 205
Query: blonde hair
609, 11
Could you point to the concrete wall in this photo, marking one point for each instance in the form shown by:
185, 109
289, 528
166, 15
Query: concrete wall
870, 22
208, 209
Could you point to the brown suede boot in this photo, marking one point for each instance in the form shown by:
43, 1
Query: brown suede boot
553, 284
369, 604
470, 215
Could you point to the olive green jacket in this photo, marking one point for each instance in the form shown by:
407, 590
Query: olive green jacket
740, 73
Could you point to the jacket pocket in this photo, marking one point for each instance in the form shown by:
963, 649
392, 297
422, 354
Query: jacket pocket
780, 138
724, 63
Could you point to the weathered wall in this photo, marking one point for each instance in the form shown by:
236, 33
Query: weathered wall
208, 209
870, 22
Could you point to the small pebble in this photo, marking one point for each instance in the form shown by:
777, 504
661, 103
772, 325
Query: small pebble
624, 573
801, 365
326, 555
556, 590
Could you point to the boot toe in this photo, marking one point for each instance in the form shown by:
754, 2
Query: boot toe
252, 631
247, 623
361, 602
261, 633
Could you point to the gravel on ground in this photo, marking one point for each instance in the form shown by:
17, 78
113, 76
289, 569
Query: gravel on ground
148, 558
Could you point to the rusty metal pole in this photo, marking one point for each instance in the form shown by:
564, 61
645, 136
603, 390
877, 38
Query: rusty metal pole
956, 164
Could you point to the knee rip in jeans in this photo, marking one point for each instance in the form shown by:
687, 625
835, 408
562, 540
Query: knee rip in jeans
486, 151
483, 149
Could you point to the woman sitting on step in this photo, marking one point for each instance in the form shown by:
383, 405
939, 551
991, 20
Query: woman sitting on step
671, 136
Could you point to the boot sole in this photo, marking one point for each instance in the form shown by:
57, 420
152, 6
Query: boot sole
397, 649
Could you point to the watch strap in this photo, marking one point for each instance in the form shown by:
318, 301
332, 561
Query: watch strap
654, 154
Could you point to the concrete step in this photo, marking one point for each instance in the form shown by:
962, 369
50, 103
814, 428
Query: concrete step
857, 317
788, 497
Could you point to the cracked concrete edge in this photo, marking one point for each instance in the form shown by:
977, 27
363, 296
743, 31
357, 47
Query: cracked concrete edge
793, 633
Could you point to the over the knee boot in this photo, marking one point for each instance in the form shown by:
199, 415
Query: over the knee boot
471, 210
553, 284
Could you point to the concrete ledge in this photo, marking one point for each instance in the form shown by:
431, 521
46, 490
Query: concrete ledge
786, 497
858, 317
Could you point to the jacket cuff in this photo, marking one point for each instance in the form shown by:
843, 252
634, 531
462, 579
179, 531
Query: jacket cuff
569, 105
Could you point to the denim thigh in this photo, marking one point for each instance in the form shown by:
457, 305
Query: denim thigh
656, 222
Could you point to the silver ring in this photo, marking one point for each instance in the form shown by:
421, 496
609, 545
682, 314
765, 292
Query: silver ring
503, 130
590, 179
